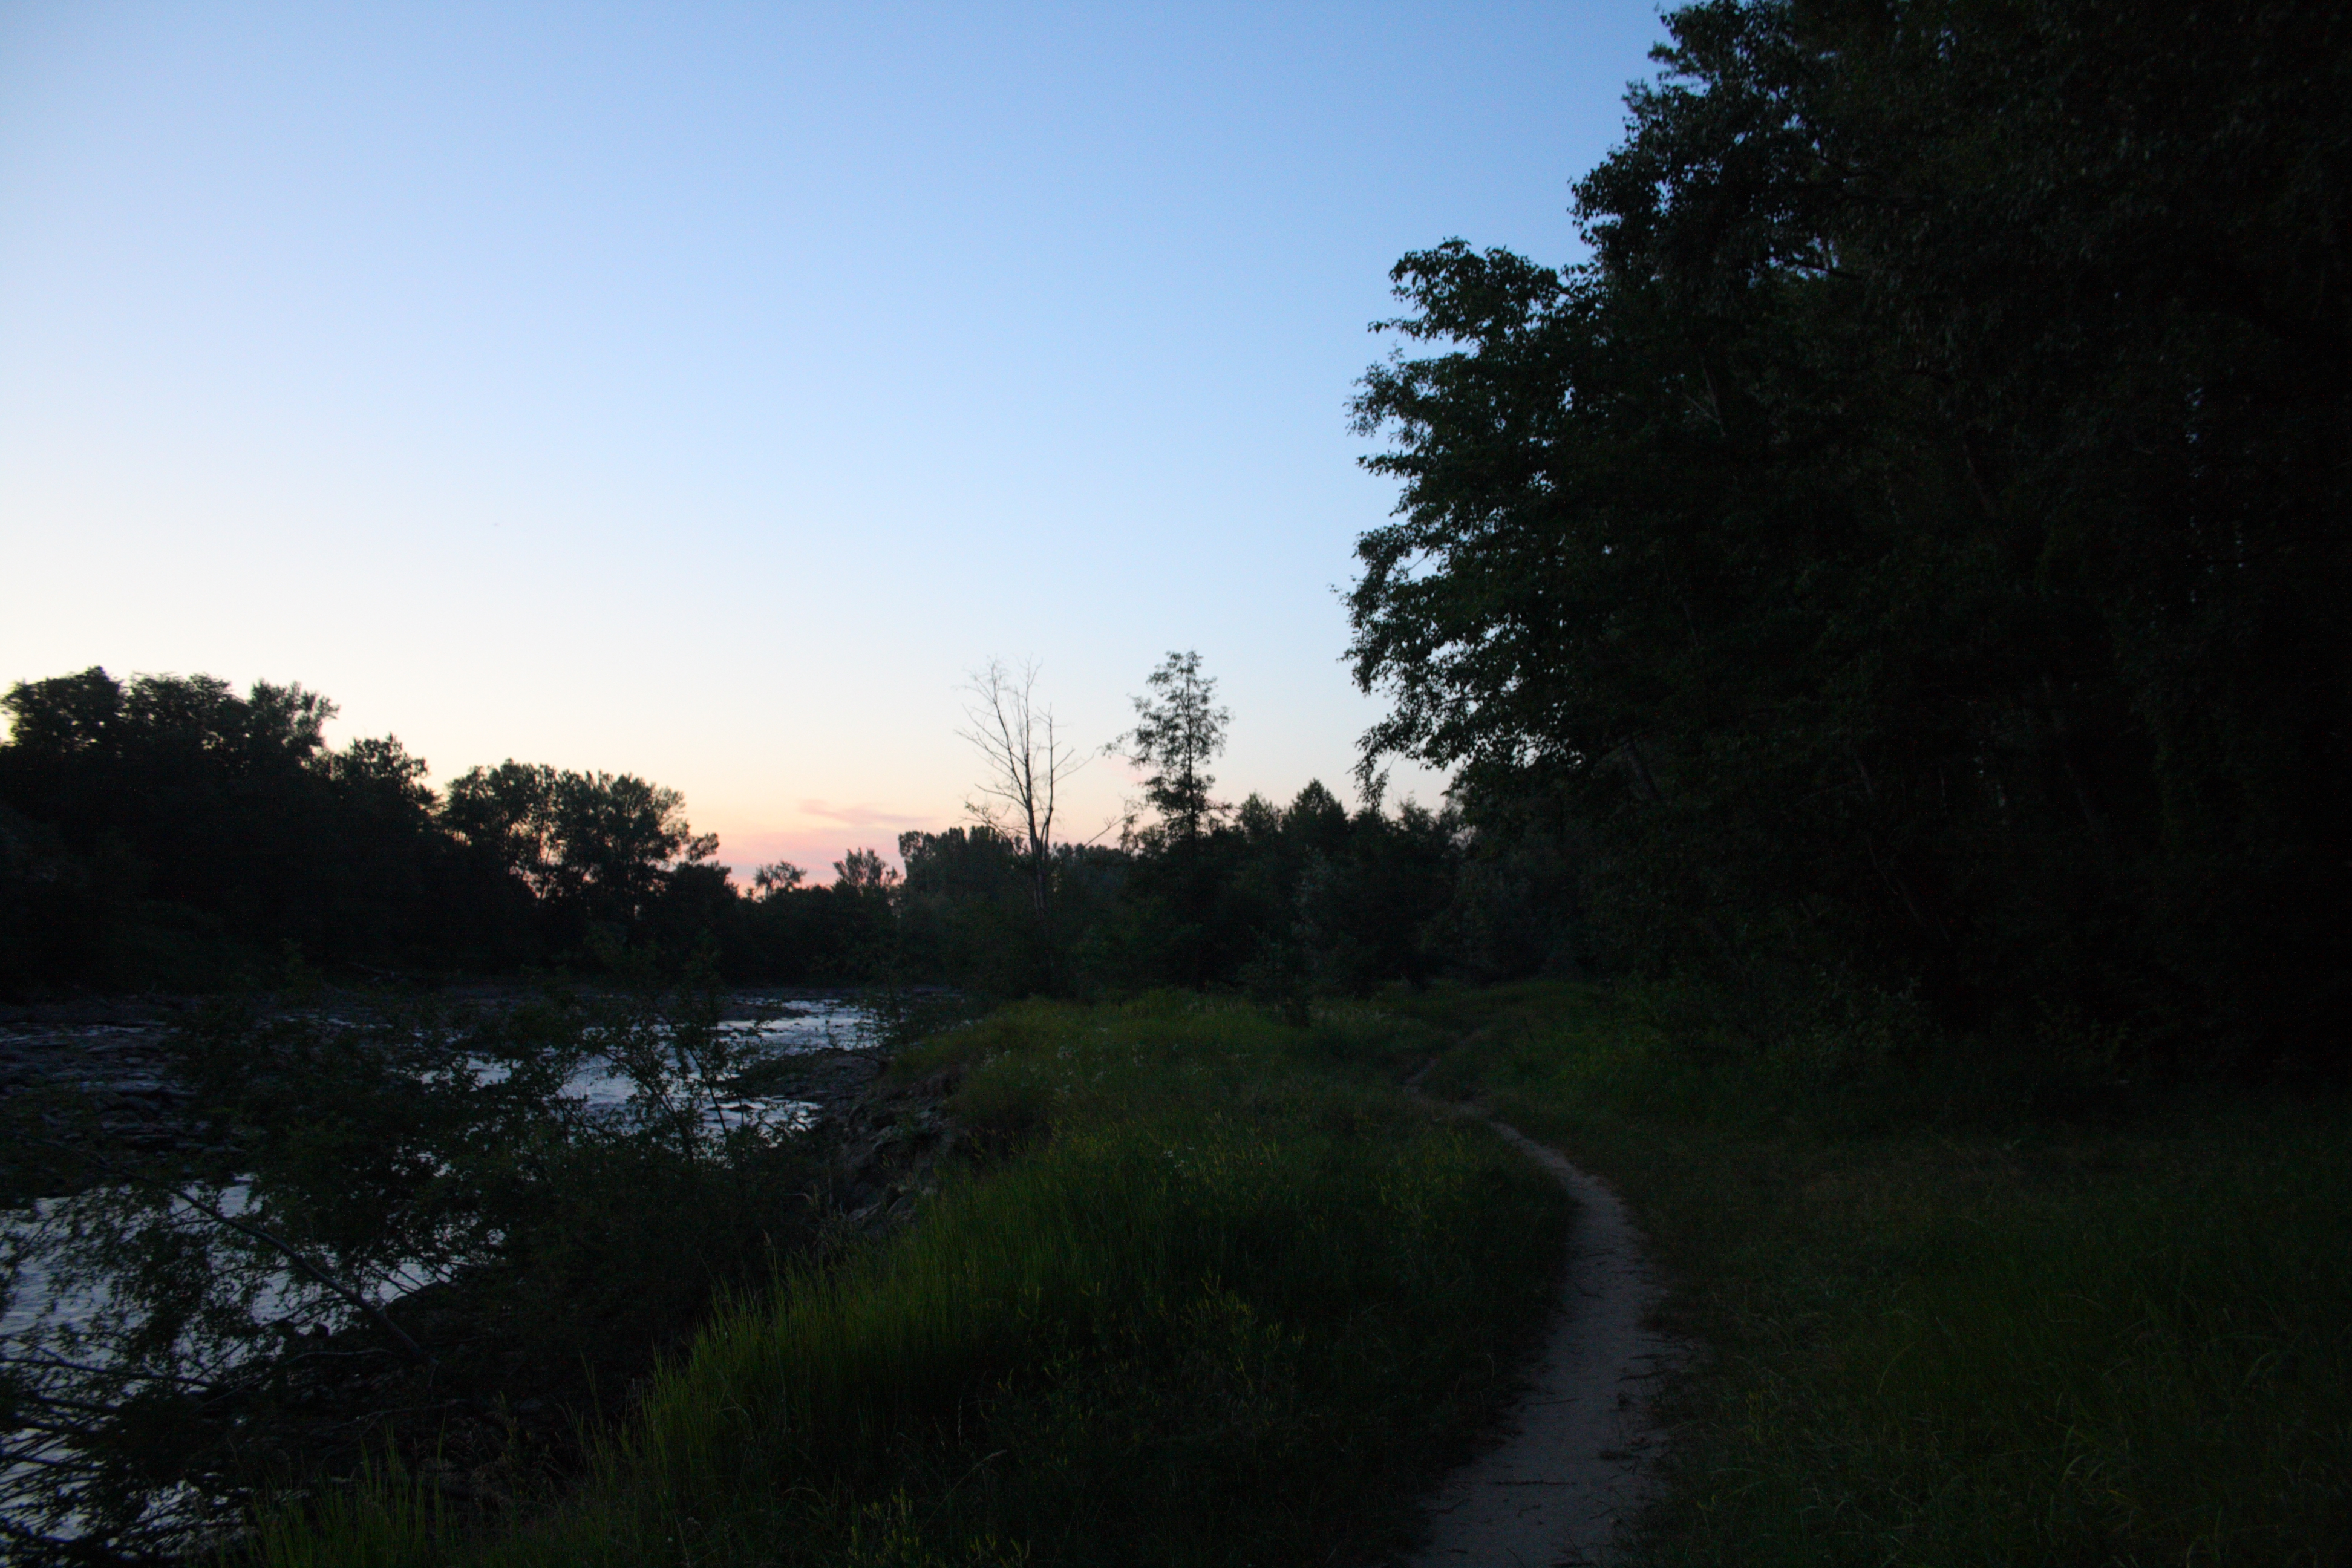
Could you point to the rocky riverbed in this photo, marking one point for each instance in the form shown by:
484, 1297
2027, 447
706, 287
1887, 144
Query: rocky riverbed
101, 1074
109, 1059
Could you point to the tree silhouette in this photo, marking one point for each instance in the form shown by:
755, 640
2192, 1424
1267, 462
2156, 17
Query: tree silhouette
1027, 762
1179, 731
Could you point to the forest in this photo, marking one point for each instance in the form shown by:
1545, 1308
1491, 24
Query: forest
165, 834
1907, 558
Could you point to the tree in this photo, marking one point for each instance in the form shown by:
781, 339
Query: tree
620, 838
1912, 550
864, 872
1186, 862
1027, 762
1179, 731
507, 815
219, 827
778, 877
590, 847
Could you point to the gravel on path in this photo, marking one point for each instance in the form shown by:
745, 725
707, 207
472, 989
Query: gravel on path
1579, 1454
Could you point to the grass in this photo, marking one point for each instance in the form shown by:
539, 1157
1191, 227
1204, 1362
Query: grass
1215, 1293
1202, 1300
1944, 1326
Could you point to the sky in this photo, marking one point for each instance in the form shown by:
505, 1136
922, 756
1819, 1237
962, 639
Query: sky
705, 391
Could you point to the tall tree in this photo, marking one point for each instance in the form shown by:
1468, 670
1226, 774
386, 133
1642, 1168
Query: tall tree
1026, 762
1910, 543
595, 845
1179, 731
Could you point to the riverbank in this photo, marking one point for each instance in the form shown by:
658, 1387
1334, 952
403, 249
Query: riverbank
109, 1063
1200, 1293
1172, 1283
312, 1228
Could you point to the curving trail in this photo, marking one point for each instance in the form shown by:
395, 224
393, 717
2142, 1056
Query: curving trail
1575, 1457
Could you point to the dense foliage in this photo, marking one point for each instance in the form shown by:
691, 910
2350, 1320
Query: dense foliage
1282, 901
1208, 1300
167, 833
1896, 579
1911, 551
428, 1229
1944, 1328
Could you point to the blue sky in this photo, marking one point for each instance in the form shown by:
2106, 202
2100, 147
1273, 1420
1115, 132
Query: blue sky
702, 391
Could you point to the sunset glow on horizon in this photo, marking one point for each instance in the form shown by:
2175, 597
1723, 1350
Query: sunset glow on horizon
704, 392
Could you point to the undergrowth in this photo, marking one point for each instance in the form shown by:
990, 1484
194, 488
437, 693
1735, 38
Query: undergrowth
1954, 1315
1199, 1299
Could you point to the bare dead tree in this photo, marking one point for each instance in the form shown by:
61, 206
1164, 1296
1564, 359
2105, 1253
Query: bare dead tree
1027, 761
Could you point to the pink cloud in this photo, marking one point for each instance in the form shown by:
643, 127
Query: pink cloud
862, 815
815, 847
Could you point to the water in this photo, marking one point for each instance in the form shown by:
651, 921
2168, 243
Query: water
125, 1060
125, 1066
794, 1028
805, 1023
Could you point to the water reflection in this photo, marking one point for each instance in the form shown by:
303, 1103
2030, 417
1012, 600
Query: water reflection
56, 1299
123, 1064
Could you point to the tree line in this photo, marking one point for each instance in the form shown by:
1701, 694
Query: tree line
167, 833
1908, 559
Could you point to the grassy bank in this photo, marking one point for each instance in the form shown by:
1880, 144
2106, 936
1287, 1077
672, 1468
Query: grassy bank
1946, 1324
1198, 1299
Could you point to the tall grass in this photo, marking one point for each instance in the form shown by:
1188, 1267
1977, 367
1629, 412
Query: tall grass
1946, 1328
1205, 1303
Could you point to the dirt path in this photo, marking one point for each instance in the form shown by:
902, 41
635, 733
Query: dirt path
1575, 1460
